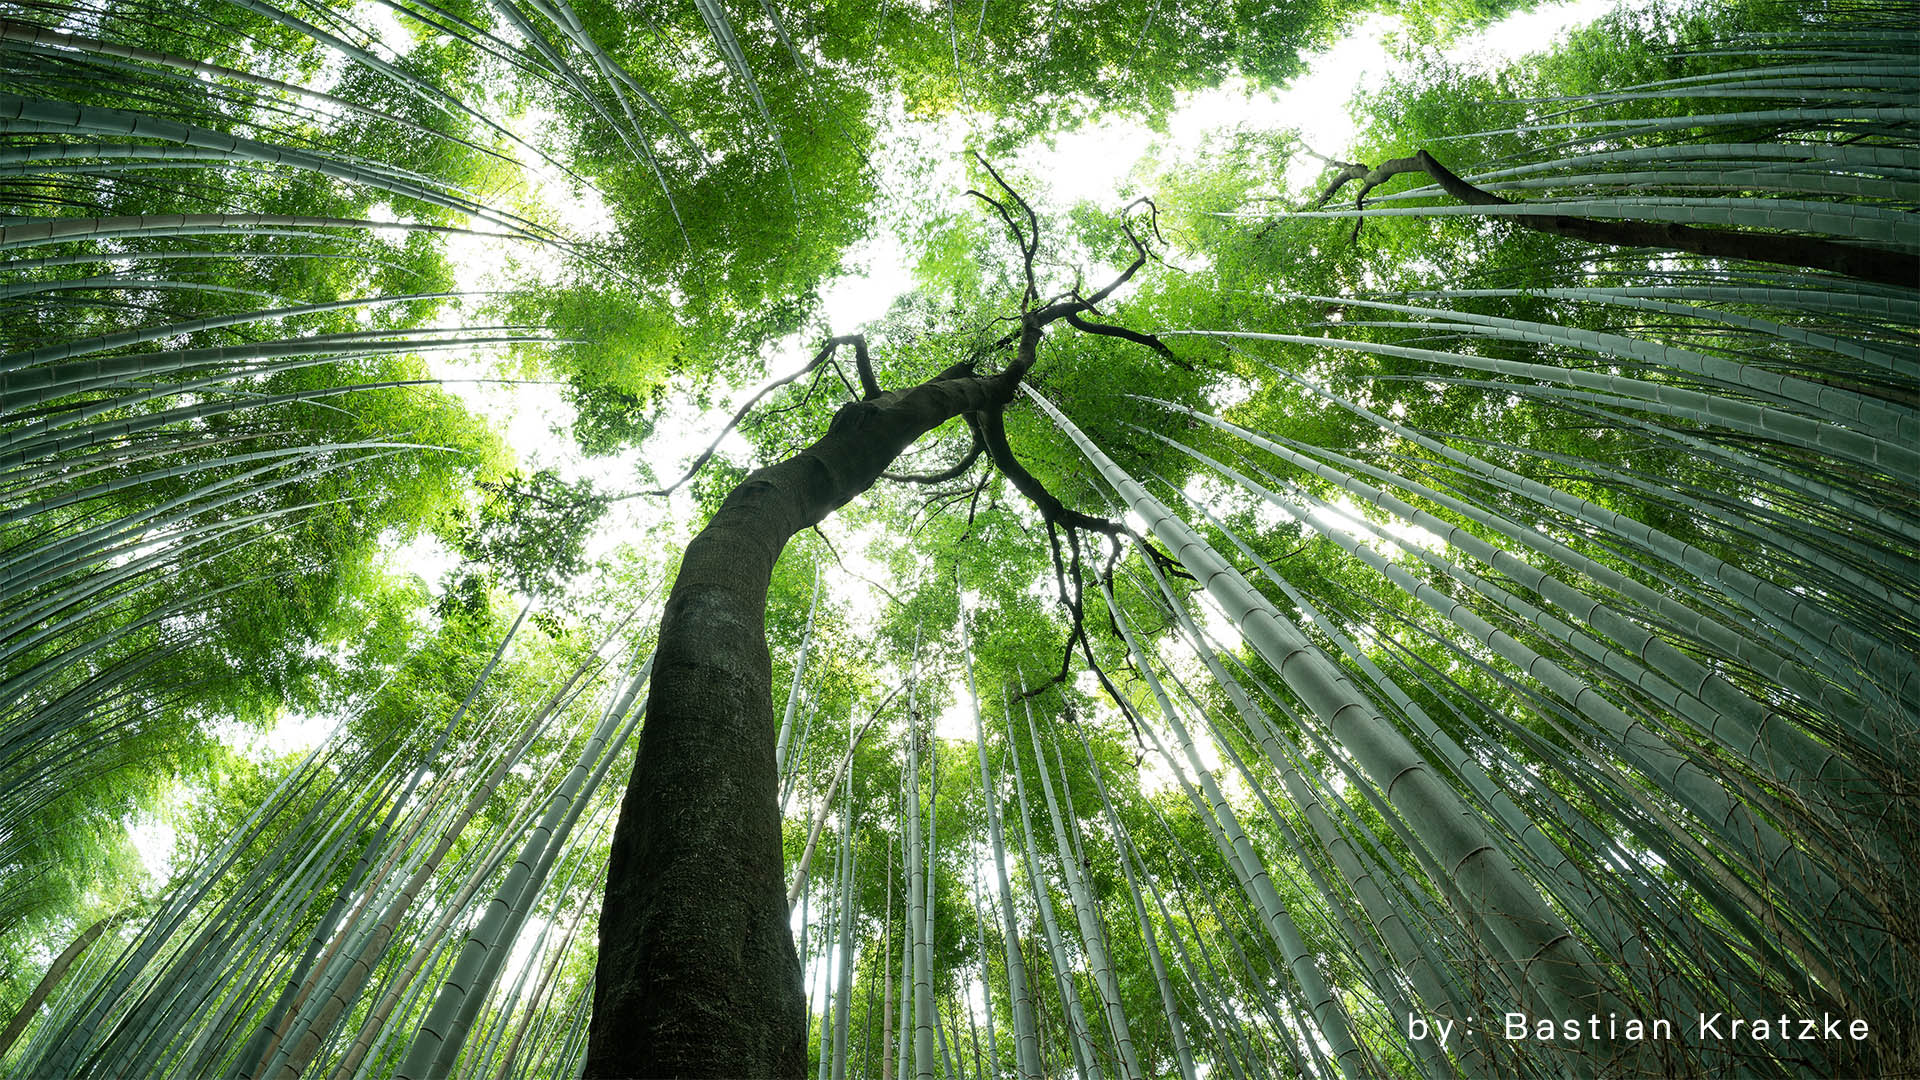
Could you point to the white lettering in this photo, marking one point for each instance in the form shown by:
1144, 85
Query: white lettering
1721, 1027
1418, 1029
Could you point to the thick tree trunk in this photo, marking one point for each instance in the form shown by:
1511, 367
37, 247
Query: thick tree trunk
697, 974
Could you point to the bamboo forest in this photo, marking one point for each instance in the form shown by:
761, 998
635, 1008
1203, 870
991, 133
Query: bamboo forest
1098, 539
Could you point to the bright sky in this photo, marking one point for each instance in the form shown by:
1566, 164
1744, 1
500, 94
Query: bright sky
1085, 165
1091, 164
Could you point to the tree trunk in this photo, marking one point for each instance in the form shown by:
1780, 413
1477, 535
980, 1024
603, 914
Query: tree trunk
56, 972
697, 973
1880, 265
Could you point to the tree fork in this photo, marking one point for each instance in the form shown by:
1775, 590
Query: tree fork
697, 973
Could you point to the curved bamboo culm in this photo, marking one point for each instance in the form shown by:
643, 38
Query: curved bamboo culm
438, 1040
1519, 725
1176, 1027
1684, 780
986, 979
793, 689
258, 1046
1553, 962
1763, 737
182, 404
1440, 1000
903, 1040
1579, 895
920, 938
1614, 630
1252, 873
442, 808
845, 949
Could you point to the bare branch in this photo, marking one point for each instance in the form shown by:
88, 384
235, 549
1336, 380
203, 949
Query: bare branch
1052, 510
1349, 171
1124, 334
823, 356
1030, 241
837, 561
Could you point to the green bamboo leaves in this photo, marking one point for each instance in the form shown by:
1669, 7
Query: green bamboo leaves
1529, 631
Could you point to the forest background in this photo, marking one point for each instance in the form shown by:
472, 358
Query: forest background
361, 364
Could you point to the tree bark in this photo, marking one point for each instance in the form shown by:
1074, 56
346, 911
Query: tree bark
55, 972
698, 976
1879, 265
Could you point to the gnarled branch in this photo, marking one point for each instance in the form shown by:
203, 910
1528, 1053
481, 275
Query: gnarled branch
1864, 262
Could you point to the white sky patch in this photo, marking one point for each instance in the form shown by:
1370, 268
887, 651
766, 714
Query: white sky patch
848, 581
1093, 163
1412, 536
1531, 31
1213, 622
384, 24
1234, 787
1337, 513
1089, 165
1343, 515
292, 732
579, 209
295, 733
1230, 391
392, 234
955, 722
1155, 775
864, 295
154, 839
425, 557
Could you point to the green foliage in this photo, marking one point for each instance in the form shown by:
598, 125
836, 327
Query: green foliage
214, 433
531, 529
